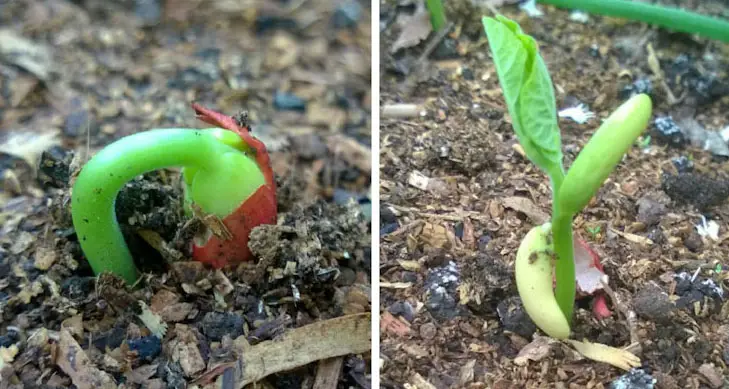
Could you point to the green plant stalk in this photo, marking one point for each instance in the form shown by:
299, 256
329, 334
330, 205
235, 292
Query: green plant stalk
222, 175
437, 14
671, 18
564, 268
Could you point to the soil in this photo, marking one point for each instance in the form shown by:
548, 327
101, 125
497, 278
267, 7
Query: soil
450, 173
77, 75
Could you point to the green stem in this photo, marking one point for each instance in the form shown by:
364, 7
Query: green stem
437, 14
671, 18
562, 239
96, 187
564, 269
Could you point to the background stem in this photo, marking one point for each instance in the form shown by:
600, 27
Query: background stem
437, 14
96, 188
671, 18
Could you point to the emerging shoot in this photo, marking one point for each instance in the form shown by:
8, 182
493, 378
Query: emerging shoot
223, 175
529, 95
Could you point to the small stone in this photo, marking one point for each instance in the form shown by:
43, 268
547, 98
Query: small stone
693, 242
698, 190
403, 309
347, 14
514, 318
712, 375
447, 49
265, 23
308, 146
683, 164
148, 11
634, 379
288, 102
9, 339
441, 304
388, 228
650, 211
653, 303
77, 120
217, 324
147, 347
428, 331
640, 85
665, 130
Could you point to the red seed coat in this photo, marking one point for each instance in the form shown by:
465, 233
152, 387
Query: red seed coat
259, 208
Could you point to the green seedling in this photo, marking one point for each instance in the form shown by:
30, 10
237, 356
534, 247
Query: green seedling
672, 18
529, 95
226, 173
594, 231
437, 14
643, 141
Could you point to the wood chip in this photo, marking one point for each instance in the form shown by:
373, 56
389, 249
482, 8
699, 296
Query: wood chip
299, 347
327, 374
73, 361
351, 151
389, 323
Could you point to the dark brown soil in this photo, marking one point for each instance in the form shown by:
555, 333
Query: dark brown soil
81, 74
451, 316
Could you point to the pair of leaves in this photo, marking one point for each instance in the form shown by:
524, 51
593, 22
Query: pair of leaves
528, 91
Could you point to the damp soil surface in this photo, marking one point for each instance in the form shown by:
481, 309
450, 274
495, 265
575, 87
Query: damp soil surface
77, 75
458, 195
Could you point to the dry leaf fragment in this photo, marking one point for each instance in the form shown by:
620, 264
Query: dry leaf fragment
619, 358
26, 54
415, 28
152, 321
633, 237
537, 350
527, 207
410, 265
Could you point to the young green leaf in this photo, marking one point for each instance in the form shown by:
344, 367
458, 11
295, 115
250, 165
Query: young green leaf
603, 152
528, 91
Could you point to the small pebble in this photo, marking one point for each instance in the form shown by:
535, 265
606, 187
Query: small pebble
447, 49
265, 23
652, 303
77, 120
389, 228
698, 190
148, 11
217, 324
347, 14
634, 379
428, 331
693, 242
650, 211
667, 131
514, 318
683, 164
404, 309
640, 85
147, 347
288, 102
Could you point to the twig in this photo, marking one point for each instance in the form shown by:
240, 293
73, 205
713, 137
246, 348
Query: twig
299, 347
630, 317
